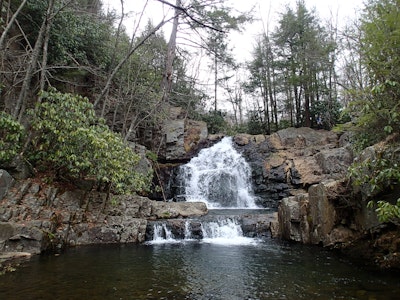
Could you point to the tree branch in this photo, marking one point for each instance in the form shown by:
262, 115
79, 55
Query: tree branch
184, 10
121, 63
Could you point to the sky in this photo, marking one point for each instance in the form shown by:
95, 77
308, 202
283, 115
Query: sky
265, 12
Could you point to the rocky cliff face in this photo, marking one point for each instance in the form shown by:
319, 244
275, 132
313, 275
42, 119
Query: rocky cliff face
181, 137
291, 160
302, 172
37, 217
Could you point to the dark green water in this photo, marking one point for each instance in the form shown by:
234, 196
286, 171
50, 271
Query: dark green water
191, 270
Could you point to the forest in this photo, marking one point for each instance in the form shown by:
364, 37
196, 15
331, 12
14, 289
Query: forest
77, 86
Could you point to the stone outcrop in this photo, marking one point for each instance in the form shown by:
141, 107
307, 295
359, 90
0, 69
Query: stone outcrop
182, 136
320, 216
301, 171
292, 159
6, 182
334, 213
36, 217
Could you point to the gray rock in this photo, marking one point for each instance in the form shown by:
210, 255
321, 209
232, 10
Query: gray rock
7, 230
313, 217
292, 219
22, 237
174, 138
334, 161
304, 136
6, 181
168, 210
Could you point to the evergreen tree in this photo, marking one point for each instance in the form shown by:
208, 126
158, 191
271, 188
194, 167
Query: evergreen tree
306, 61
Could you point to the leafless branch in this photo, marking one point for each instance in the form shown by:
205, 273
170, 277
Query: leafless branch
185, 12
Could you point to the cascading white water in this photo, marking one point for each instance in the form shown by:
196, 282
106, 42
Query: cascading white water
224, 232
161, 232
218, 176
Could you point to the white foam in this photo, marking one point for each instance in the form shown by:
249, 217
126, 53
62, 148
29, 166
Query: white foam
220, 177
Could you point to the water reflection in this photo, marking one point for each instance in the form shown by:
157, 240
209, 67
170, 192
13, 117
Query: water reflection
193, 270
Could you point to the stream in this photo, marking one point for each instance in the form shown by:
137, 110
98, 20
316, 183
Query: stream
265, 269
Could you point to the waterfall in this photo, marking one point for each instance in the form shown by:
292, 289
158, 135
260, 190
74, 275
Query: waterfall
162, 233
224, 232
218, 176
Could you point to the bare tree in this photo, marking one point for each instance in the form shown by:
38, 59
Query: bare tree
10, 23
22, 98
166, 84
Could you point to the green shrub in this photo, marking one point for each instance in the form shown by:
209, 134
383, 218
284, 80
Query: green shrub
69, 139
386, 211
11, 136
255, 125
215, 122
378, 175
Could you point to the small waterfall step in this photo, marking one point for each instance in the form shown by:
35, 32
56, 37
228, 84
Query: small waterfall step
227, 232
213, 227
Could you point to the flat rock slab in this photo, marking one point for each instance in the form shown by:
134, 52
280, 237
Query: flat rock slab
168, 210
4, 256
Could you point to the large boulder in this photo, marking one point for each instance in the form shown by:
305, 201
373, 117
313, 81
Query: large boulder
115, 229
292, 225
317, 217
182, 137
168, 210
174, 138
322, 214
334, 162
303, 137
27, 237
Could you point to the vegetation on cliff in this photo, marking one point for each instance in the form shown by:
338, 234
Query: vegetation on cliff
11, 133
376, 107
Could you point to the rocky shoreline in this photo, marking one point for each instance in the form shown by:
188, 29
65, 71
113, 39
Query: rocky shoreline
300, 172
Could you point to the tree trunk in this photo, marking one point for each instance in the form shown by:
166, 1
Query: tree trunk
166, 85
215, 80
21, 101
271, 94
307, 114
264, 93
45, 47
